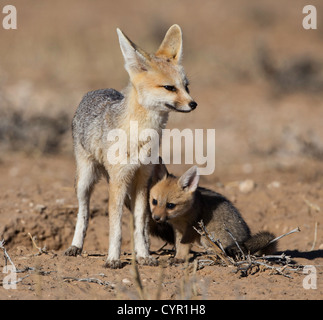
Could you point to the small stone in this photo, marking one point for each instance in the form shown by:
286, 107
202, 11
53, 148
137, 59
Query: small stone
274, 185
246, 186
126, 281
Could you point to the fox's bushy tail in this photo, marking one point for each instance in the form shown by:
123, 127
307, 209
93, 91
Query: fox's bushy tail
260, 243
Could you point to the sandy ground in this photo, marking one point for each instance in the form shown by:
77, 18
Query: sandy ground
257, 77
38, 198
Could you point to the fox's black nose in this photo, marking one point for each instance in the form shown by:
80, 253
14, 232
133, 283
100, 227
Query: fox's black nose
192, 105
156, 218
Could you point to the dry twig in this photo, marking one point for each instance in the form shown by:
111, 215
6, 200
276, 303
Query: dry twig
316, 209
284, 235
6, 255
315, 236
40, 250
247, 263
7, 258
312, 206
89, 280
235, 241
245, 266
15, 282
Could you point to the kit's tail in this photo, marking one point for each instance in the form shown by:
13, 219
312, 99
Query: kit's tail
260, 243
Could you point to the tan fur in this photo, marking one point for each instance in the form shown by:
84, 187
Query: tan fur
182, 204
146, 101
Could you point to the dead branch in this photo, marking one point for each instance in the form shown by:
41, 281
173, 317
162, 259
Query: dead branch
315, 236
6, 255
282, 257
312, 206
40, 250
235, 241
89, 280
15, 282
246, 264
284, 235
278, 270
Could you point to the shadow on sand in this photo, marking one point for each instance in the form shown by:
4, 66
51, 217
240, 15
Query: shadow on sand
310, 255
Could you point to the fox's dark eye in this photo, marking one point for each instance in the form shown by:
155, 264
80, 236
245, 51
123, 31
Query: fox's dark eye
170, 205
187, 89
154, 202
170, 88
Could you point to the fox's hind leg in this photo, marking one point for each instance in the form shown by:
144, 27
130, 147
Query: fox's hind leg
87, 174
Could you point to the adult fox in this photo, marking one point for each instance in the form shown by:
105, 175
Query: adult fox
157, 86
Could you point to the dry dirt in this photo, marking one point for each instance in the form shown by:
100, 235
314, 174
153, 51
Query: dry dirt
268, 129
38, 198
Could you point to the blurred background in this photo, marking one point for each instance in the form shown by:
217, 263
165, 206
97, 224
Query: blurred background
255, 72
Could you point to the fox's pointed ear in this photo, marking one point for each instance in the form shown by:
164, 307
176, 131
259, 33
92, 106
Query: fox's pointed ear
136, 59
159, 173
171, 47
189, 180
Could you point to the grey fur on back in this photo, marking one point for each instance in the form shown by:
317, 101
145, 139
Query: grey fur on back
224, 215
91, 115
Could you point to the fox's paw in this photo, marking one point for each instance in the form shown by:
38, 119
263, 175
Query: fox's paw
113, 264
148, 261
73, 251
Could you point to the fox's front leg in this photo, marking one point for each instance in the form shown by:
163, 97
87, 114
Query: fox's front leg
117, 194
140, 212
182, 249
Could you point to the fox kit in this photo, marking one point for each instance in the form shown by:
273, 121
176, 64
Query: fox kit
182, 204
157, 86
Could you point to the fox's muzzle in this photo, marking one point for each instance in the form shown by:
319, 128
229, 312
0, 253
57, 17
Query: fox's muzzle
192, 106
160, 219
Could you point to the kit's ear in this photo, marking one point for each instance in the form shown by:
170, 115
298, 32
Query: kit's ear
159, 173
189, 180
